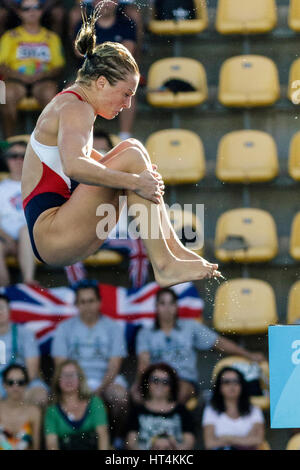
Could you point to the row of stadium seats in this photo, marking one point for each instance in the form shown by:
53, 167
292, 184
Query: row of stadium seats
232, 17
244, 156
245, 81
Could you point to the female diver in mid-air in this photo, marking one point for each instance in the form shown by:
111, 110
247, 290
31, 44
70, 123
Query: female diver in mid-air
64, 179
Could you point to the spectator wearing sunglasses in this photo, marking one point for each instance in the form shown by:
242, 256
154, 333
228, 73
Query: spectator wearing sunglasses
14, 237
230, 422
176, 342
21, 348
31, 61
53, 15
20, 423
160, 422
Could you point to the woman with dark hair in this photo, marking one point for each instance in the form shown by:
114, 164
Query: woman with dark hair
19, 422
65, 180
160, 422
230, 422
77, 420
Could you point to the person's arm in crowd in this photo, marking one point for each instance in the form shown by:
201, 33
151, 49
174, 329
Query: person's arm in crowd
52, 442
103, 438
113, 369
8, 240
253, 439
211, 441
188, 442
35, 414
132, 440
131, 45
58, 360
7, 72
33, 367
230, 347
143, 362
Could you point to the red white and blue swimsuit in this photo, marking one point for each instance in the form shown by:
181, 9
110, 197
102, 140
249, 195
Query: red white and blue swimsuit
54, 187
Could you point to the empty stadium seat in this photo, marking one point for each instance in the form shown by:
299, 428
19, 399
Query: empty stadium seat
249, 368
181, 26
178, 68
188, 228
293, 305
104, 258
294, 157
294, 442
247, 156
295, 238
246, 17
248, 81
179, 155
294, 15
29, 104
294, 82
244, 306
246, 235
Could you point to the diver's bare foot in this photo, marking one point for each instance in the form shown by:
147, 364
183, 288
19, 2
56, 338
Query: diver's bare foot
179, 271
183, 253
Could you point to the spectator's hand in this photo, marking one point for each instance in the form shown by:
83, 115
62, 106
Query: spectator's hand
164, 443
135, 393
257, 357
175, 445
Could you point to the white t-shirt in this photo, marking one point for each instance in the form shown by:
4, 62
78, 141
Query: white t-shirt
224, 425
12, 217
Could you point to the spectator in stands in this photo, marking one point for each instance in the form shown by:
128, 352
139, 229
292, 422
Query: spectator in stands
230, 422
21, 348
31, 61
76, 420
97, 343
20, 423
176, 341
114, 26
14, 236
53, 13
160, 422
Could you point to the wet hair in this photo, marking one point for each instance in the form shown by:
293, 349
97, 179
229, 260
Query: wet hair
159, 294
217, 400
109, 59
174, 382
11, 367
86, 284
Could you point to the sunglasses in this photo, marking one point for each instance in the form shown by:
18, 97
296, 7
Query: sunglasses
157, 380
20, 382
230, 382
36, 7
15, 155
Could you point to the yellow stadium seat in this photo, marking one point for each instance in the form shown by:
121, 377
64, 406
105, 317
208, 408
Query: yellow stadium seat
244, 306
246, 17
294, 442
295, 238
246, 235
294, 82
188, 228
293, 306
29, 104
104, 258
18, 138
178, 68
248, 81
294, 15
3, 175
180, 27
179, 155
247, 156
245, 366
294, 157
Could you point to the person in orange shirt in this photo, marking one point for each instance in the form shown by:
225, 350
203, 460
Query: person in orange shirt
31, 60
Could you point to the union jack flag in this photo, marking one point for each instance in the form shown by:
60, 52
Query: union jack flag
43, 309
